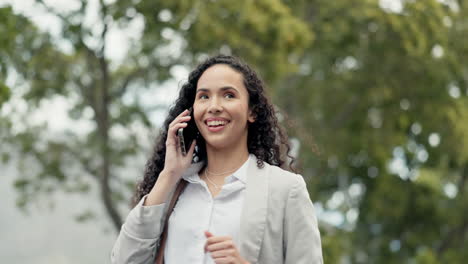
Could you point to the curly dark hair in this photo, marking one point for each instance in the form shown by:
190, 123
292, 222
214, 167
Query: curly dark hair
266, 139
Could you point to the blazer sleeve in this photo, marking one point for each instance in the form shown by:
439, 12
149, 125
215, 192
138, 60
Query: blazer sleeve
302, 236
139, 235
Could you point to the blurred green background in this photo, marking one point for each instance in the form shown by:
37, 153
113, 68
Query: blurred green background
373, 94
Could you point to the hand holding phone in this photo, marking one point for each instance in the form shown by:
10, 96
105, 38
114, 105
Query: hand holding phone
175, 163
187, 135
180, 135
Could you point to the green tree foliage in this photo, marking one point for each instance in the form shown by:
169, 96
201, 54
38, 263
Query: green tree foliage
99, 91
4, 93
385, 89
7, 33
376, 94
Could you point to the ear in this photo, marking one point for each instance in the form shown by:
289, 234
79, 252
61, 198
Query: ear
251, 117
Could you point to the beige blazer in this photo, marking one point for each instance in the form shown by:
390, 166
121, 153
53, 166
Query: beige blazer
278, 222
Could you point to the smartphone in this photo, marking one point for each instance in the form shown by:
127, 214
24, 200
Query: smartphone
187, 135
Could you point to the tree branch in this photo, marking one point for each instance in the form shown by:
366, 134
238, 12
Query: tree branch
127, 80
84, 163
100, 103
103, 130
104, 31
51, 10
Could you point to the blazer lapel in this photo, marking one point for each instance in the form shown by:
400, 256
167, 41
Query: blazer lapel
254, 212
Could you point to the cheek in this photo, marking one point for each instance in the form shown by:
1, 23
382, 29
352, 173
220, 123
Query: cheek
197, 114
244, 107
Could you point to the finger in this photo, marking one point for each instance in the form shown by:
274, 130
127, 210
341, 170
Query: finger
223, 253
185, 112
227, 244
217, 239
173, 130
172, 134
224, 260
208, 234
183, 115
180, 119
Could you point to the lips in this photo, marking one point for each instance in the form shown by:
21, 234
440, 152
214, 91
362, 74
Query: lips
216, 124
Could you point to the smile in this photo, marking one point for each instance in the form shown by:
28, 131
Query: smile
216, 124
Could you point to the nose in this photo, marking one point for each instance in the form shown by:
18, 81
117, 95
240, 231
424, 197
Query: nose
215, 106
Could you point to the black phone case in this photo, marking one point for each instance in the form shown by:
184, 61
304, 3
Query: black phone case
189, 133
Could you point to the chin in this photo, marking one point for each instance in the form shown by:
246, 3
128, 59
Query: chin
218, 143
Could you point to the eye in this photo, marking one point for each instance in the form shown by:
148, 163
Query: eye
229, 95
203, 96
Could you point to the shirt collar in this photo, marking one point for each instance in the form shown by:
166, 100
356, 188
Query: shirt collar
241, 173
191, 174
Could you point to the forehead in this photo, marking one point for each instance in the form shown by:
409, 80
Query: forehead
220, 75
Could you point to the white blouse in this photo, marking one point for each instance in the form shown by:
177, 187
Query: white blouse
198, 211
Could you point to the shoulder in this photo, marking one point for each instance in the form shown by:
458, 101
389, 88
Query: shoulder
281, 180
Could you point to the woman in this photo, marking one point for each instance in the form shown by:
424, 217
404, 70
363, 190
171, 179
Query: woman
239, 206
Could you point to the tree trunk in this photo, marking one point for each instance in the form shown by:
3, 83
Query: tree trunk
103, 127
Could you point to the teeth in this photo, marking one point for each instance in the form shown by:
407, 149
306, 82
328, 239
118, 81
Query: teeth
216, 123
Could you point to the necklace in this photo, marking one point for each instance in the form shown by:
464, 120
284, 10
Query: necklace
217, 187
222, 173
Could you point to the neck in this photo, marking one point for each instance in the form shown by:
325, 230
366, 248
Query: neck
226, 159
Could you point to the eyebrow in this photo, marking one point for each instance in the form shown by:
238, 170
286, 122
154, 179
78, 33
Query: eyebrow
224, 88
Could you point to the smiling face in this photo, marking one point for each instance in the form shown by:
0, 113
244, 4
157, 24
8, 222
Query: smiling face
221, 107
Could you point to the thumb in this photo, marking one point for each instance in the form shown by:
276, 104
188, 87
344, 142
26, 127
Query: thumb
208, 234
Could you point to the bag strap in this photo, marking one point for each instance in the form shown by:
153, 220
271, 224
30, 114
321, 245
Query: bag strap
160, 252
